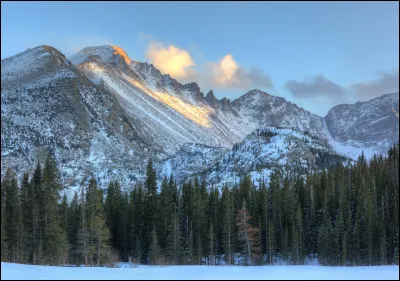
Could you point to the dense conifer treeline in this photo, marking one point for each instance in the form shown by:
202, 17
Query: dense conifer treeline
347, 215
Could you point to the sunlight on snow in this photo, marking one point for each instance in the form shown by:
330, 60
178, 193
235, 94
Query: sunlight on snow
121, 52
198, 114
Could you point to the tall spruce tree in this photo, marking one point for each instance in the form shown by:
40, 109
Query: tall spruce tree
151, 209
74, 223
13, 222
98, 232
228, 224
55, 237
4, 250
247, 235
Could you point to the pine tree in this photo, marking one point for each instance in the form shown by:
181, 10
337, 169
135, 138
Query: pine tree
136, 223
116, 211
165, 215
247, 235
273, 218
4, 250
155, 248
82, 245
173, 250
56, 244
13, 222
228, 227
25, 211
169, 225
98, 232
151, 209
74, 223
32, 204
185, 219
211, 243
64, 221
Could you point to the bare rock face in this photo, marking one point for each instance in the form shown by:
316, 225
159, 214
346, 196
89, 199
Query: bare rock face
262, 109
211, 99
371, 123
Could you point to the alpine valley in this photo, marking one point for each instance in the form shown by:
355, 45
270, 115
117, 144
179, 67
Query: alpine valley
102, 114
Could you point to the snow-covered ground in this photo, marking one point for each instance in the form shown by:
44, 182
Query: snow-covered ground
306, 272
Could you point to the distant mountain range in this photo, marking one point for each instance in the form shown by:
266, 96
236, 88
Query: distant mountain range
102, 114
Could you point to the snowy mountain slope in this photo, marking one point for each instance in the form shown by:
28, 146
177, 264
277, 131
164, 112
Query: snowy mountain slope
172, 114
264, 150
372, 124
33, 66
190, 159
105, 115
262, 109
48, 105
369, 127
168, 113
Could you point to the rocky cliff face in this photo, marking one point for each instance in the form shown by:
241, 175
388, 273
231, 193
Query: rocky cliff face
262, 109
369, 124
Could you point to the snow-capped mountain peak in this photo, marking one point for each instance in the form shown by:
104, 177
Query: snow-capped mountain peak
41, 58
107, 53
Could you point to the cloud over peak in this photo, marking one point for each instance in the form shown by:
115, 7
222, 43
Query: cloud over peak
315, 86
228, 74
323, 89
224, 71
223, 74
171, 60
385, 84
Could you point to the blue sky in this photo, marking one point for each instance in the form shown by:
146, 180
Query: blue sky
316, 54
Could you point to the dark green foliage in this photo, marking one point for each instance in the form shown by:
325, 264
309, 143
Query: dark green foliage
347, 215
73, 227
4, 250
12, 214
116, 208
55, 248
98, 234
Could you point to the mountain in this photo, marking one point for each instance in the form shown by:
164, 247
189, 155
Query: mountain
48, 105
167, 112
103, 114
369, 127
366, 124
190, 159
264, 150
262, 109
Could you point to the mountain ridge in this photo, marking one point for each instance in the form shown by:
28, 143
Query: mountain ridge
148, 114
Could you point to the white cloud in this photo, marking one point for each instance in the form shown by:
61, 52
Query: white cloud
226, 73
171, 60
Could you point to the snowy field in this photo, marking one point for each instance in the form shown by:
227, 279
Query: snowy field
306, 272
